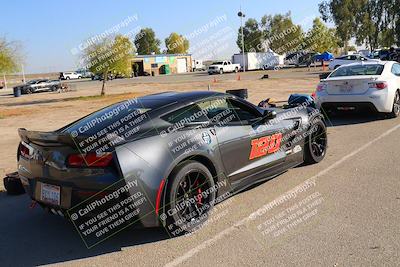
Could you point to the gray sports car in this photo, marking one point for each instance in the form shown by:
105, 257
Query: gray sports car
164, 159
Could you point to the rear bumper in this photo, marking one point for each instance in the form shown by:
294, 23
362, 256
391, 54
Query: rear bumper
376, 100
349, 106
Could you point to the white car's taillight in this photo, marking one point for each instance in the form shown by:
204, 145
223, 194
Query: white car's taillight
378, 85
321, 87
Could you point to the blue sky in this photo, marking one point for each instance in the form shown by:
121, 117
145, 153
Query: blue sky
49, 30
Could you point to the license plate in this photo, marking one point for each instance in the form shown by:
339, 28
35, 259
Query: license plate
346, 89
346, 108
50, 194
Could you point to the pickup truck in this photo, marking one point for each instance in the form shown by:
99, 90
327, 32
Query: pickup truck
223, 66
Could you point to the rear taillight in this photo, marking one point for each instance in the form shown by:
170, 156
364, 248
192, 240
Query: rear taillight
25, 150
90, 160
321, 87
378, 85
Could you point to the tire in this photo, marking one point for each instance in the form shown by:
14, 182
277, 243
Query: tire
221, 71
236, 70
396, 106
188, 181
67, 78
13, 186
29, 91
316, 142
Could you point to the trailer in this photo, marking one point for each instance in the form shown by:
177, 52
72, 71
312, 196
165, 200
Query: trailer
258, 61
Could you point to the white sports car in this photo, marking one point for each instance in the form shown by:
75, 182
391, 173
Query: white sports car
367, 85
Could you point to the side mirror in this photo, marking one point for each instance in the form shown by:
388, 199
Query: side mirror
269, 115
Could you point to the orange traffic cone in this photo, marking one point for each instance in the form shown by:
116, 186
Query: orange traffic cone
238, 77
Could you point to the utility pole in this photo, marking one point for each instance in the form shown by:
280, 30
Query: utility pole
242, 15
23, 73
5, 81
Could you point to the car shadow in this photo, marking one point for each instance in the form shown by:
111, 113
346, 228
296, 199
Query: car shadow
34, 237
352, 118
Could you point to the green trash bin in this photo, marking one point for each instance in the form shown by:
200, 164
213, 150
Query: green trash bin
165, 69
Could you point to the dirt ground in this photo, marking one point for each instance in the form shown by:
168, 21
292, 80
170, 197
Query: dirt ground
49, 111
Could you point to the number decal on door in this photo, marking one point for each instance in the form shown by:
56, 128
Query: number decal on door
265, 145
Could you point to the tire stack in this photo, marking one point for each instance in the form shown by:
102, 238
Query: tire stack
13, 184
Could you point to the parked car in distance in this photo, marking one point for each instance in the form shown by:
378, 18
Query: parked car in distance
84, 73
70, 75
38, 85
382, 54
223, 66
348, 59
362, 86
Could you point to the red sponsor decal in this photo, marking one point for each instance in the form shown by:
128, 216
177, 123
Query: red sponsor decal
265, 145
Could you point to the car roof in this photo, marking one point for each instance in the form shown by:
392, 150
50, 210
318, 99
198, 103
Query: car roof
372, 62
182, 96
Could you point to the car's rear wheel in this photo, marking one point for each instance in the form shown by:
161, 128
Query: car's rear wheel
396, 106
316, 142
189, 198
221, 71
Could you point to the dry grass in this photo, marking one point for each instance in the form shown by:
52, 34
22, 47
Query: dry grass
41, 109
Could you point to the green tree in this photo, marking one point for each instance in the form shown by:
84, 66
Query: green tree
253, 37
109, 55
176, 44
320, 38
9, 56
281, 34
146, 42
342, 13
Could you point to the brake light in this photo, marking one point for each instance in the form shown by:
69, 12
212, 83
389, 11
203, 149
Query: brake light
321, 87
89, 160
378, 85
25, 150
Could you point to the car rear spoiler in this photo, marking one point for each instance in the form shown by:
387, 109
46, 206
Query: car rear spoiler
47, 138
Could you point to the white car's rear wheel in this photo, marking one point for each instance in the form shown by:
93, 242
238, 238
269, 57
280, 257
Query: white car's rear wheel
396, 106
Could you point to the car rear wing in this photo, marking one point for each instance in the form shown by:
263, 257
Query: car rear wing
48, 138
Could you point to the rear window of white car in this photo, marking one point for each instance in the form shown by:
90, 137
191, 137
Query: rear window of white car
357, 70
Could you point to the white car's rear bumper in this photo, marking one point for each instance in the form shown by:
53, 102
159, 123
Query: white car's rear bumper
379, 99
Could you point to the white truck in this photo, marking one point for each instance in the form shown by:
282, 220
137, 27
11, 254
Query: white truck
223, 66
197, 65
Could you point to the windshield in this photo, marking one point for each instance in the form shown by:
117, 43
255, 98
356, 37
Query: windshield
32, 82
358, 70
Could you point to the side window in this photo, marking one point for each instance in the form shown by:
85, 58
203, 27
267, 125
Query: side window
225, 111
396, 69
225, 63
186, 115
242, 112
353, 58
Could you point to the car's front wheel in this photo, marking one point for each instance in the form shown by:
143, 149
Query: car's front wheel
190, 197
316, 142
